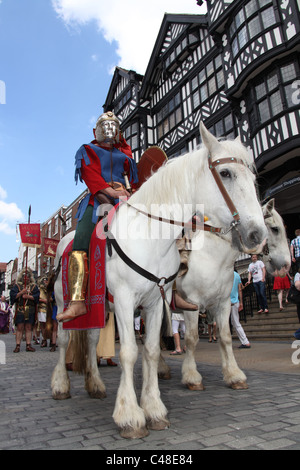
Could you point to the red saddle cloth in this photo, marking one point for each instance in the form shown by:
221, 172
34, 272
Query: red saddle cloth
96, 292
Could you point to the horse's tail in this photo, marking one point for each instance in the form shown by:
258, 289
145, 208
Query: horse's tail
80, 351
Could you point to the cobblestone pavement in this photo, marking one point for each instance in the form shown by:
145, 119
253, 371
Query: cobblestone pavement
264, 417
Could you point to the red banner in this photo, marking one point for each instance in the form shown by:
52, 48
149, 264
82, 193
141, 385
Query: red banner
50, 247
30, 234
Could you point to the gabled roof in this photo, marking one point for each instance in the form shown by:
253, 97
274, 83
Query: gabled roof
152, 72
119, 72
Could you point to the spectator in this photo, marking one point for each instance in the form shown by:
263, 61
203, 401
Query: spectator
295, 250
4, 316
257, 272
236, 299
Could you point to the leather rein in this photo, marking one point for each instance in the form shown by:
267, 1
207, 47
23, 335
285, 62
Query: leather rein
162, 281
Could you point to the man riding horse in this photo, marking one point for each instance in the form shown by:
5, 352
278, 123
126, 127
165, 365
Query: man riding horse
109, 171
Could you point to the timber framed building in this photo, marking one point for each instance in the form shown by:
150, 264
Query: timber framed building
237, 69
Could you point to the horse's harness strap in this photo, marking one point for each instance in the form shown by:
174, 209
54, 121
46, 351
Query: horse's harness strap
228, 200
187, 225
161, 282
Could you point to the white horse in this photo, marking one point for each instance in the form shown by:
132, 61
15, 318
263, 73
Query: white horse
208, 283
174, 192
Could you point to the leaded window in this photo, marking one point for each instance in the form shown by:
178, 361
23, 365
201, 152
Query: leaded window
253, 18
272, 93
207, 82
169, 116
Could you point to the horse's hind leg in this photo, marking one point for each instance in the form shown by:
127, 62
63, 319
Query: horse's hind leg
154, 409
190, 376
60, 382
93, 383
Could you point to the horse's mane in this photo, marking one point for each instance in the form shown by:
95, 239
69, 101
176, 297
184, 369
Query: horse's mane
179, 174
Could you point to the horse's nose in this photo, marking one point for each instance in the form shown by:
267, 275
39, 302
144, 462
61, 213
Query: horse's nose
256, 237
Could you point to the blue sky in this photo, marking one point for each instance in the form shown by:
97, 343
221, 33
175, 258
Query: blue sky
56, 63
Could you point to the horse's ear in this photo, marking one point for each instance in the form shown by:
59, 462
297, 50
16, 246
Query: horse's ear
238, 139
269, 207
210, 142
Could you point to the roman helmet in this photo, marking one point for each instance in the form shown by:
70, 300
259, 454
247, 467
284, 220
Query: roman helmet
107, 128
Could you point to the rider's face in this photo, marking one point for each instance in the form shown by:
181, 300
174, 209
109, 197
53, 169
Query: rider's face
107, 130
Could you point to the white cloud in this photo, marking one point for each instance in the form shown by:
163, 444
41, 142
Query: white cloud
9, 214
133, 24
3, 193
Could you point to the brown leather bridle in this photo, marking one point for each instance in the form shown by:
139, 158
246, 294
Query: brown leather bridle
202, 226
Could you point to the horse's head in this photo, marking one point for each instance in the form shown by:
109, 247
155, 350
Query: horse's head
230, 166
276, 253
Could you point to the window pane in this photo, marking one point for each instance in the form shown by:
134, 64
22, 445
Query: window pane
250, 8
219, 129
276, 103
262, 3
178, 115
210, 68
289, 93
202, 76
264, 112
272, 81
220, 78
268, 17
288, 72
243, 37
228, 122
254, 27
203, 93
260, 90
194, 83
240, 18
235, 47
196, 99
172, 120
166, 125
177, 99
160, 131
212, 85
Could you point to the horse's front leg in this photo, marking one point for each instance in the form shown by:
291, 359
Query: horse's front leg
128, 415
154, 409
190, 376
60, 382
93, 382
233, 375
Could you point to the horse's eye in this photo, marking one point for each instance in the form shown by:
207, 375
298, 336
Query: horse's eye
225, 174
275, 230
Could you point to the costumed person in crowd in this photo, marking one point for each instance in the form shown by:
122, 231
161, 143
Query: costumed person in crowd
109, 171
52, 312
42, 308
25, 294
106, 343
236, 298
4, 316
281, 285
257, 271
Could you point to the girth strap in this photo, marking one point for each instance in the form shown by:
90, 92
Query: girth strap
161, 282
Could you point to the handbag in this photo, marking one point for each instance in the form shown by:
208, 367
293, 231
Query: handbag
293, 295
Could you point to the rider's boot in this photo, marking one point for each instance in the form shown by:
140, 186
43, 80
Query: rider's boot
77, 278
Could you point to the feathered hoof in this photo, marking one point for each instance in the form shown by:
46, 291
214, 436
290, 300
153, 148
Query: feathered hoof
61, 396
239, 386
98, 395
164, 375
196, 387
130, 433
158, 425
